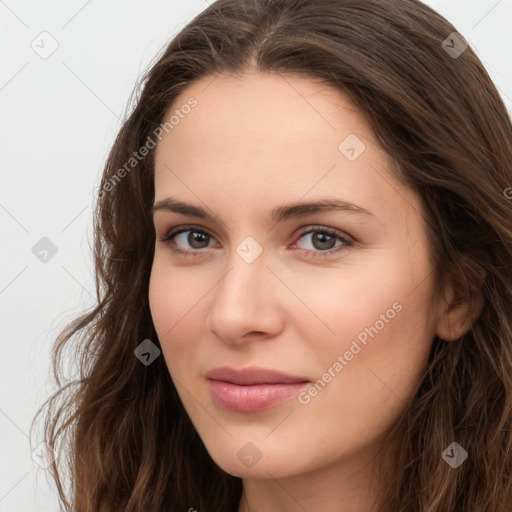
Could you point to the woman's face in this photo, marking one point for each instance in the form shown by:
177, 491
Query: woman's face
337, 296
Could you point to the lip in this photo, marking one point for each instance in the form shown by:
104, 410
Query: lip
253, 375
252, 389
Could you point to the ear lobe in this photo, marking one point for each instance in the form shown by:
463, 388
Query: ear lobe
461, 311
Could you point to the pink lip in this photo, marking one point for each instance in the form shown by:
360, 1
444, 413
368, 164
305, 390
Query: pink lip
251, 389
252, 375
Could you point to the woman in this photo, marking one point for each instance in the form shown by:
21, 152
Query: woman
303, 246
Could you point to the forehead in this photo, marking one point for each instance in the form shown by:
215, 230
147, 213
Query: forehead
272, 137
238, 114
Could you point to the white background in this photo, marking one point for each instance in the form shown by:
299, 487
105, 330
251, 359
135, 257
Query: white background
58, 120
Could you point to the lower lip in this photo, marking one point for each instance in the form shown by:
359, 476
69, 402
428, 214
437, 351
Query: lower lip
252, 398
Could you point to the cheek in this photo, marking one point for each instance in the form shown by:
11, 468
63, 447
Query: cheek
162, 300
174, 293
378, 325
335, 307
171, 299
355, 402
384, 342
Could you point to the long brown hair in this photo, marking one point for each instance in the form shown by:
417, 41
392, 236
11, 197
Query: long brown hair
122, 436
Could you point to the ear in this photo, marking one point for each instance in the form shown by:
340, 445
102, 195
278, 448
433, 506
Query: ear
461, 307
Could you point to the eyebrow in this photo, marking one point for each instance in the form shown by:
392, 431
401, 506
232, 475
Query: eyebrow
279, 214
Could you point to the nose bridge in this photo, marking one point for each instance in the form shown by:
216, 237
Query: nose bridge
243, 284
243, 300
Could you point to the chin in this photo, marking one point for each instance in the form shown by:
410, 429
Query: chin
246, 459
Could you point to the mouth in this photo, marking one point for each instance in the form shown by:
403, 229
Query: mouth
252, 389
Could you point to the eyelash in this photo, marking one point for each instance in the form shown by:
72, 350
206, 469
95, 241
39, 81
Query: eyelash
314, 229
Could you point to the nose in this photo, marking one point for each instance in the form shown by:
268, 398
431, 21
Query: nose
246, 303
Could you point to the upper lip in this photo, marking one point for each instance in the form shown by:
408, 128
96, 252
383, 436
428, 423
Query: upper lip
252, 375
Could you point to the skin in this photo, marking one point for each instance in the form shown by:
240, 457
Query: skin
252, 144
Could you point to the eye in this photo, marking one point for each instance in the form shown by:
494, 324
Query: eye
323, 241
196, 239
190, 240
